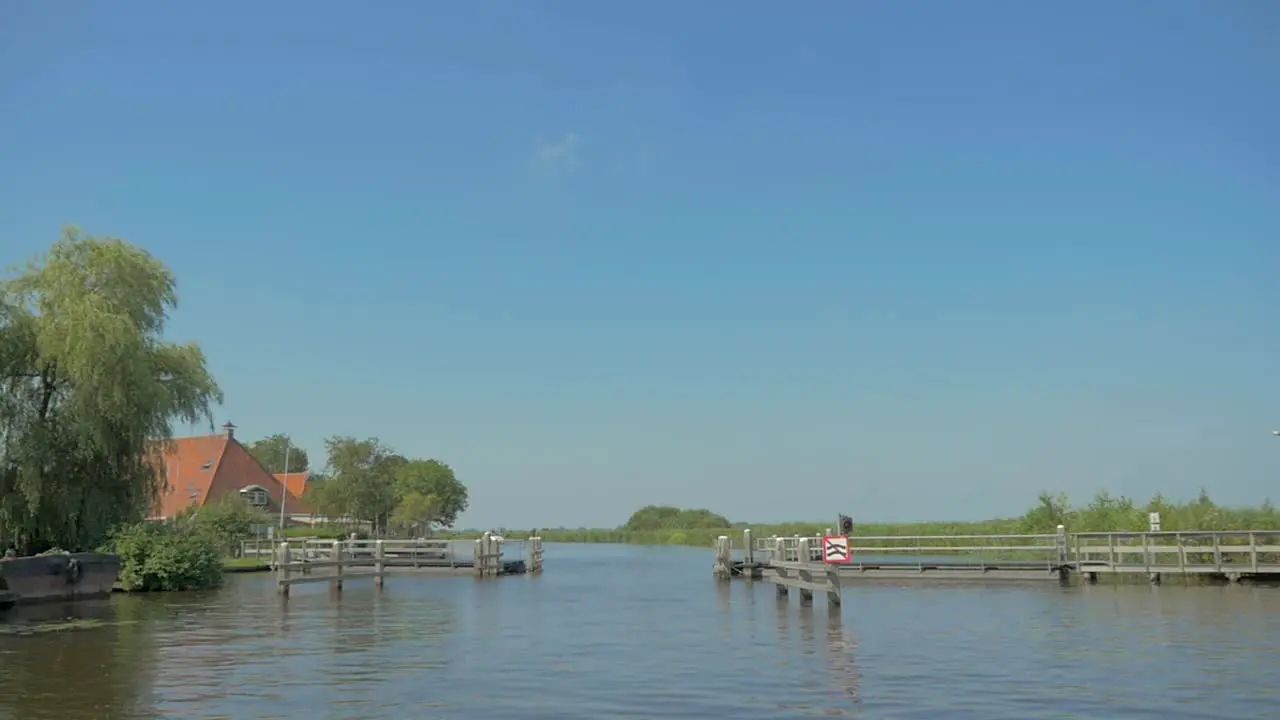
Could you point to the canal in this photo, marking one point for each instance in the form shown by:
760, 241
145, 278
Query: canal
635, 632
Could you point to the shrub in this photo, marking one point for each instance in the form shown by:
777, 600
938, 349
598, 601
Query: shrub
164, 556
226, 523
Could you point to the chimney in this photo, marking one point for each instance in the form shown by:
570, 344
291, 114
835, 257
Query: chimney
229, 429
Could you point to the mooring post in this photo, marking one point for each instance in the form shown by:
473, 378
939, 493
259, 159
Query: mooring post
282, 569
750, 557
833, 587
1061, 542
336, 557
779, 555
721, 570
802, 553
379, 562
478, 561
486, 551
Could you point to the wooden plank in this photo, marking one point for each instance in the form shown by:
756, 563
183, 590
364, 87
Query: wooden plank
326, 578
798, 583
1175, 549
1196, 569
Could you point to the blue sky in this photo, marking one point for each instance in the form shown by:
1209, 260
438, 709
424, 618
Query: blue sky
901, 260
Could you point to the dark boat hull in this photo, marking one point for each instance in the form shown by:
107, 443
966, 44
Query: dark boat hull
50, 578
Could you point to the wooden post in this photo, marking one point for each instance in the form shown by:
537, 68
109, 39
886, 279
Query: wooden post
379, 562
802, 553
497, 554
724, 555
336, 556
833, 587
1064, 572
282, 569
484, 546
779, 555
535, 554
1253, 551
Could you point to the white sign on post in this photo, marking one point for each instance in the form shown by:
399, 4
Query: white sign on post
835, 550
1154, 520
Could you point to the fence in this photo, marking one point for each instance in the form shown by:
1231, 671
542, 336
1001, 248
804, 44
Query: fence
296, 560
1222, 553
502, 556
1047, 551
338, 560
1215, 552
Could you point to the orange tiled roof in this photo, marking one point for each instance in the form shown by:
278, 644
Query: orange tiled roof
199, 470
294, 482
187, 468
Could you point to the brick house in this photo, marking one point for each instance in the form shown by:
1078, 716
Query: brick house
201, 470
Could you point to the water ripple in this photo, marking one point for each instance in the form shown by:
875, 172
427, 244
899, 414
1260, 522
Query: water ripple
618, 632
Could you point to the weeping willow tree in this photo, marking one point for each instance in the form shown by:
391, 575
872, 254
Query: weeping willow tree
87, 389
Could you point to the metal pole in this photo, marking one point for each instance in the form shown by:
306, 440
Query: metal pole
284, 484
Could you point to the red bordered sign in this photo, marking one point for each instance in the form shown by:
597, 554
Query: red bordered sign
835, 550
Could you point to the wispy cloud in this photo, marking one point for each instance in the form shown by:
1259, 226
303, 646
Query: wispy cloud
561, 154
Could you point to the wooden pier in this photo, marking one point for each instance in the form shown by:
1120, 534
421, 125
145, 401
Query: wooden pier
297, 561
792, 567
1228, 556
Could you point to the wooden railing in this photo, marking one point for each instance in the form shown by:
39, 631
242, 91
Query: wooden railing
1216, 552
1041, 550
1223, 552
290, 572
487, 558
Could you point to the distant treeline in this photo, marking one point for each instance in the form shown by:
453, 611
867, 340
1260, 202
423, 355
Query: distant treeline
667, 525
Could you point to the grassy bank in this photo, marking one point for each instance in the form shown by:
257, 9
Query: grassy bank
245, 564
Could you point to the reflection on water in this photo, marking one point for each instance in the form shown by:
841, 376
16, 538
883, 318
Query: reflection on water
622, 632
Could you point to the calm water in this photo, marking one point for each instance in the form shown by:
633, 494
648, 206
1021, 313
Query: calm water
627, 632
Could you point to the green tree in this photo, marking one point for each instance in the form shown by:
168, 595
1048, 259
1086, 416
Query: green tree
668, 517
363, 479
416, 512
1050, 512
432, 478
278, 453
88, 385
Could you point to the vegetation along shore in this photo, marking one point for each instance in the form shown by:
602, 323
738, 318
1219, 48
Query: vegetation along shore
667, 525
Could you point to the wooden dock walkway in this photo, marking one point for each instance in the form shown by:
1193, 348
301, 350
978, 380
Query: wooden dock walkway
299, 561
1230, 556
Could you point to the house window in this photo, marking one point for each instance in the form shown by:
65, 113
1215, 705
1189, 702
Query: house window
257, 497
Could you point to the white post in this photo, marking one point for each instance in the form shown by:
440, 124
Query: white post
804, 557
336, 556
779, 556
282, 569
379, 562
